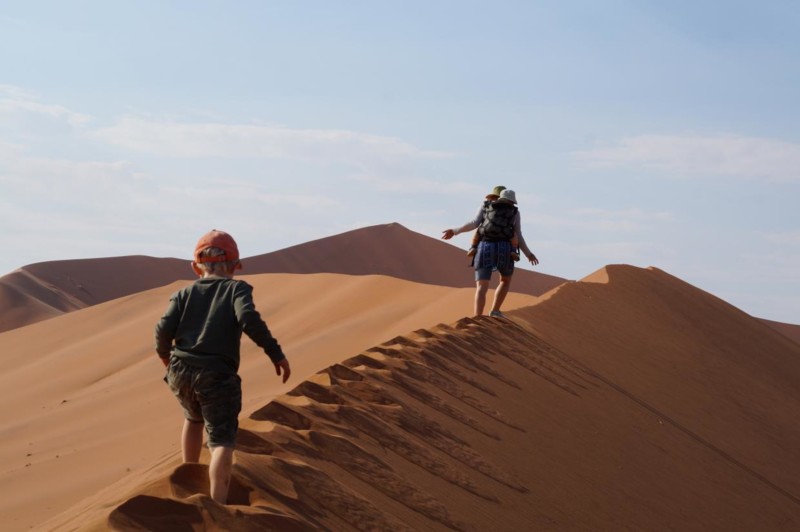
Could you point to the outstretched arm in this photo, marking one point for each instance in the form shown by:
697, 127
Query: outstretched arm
447, 234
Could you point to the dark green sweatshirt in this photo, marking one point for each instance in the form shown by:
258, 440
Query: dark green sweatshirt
205, 322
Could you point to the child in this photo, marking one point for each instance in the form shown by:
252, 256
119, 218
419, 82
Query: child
198, 340
493, 196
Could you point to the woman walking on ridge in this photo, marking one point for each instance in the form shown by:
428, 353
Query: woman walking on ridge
498, 223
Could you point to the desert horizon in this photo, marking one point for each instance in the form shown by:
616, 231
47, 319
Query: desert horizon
628, 398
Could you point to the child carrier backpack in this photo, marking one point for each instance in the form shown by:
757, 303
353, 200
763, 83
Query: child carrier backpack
498, 221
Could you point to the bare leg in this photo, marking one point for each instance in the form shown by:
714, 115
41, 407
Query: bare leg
500, 292
191, 441
480, 296
219, 472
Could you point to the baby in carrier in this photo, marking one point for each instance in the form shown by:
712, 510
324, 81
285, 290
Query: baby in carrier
498, 221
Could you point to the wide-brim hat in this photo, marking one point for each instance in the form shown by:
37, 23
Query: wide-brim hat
508, 195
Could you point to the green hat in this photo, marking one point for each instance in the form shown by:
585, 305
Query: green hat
497, 190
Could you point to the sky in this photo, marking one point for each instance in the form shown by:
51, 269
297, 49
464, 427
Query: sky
648, 133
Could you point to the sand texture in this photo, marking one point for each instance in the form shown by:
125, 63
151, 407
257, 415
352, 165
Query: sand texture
627, 400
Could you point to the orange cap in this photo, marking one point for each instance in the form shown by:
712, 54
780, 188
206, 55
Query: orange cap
217, 239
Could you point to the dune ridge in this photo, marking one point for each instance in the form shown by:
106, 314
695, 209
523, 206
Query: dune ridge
45, 290
629, 400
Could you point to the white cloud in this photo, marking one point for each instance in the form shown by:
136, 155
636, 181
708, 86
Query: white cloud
14, 99
699, 156
192, 140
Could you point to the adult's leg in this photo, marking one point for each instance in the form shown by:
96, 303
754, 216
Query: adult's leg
219, 473
480, 296
192, 440
500, 292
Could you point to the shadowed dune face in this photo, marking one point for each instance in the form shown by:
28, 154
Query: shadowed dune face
631, 400
45, 290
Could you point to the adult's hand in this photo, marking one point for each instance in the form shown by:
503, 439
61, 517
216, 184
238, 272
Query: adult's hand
447, 234
533, 259
283, 366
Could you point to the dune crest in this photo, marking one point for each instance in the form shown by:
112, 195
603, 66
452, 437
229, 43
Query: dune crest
44, 290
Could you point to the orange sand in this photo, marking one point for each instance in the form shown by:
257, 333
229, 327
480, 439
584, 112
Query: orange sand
628, 400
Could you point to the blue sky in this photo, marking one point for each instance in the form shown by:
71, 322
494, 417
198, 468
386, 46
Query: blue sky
648, 133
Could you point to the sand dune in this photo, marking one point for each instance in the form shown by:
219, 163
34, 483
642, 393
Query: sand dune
83, 406
629, 400
44, 290
789, 330
47, 289
392, 250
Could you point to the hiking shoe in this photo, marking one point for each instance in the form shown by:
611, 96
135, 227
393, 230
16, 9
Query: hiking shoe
497, 314
515, 256
471, 251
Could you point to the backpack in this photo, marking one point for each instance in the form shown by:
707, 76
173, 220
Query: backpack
498, 221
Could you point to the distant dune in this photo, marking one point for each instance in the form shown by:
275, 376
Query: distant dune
789, 330
629, 400
44, 290
47, 289
391, 250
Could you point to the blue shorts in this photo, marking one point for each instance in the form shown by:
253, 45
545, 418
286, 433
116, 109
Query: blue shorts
493, 256
210, 397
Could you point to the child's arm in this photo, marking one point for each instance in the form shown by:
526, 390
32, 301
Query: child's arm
165, 329
255, 327
476, 238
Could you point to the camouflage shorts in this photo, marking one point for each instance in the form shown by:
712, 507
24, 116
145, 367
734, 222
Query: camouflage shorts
210, 397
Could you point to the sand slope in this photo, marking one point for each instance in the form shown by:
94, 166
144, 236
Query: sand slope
627, 401
82, 404
44, 290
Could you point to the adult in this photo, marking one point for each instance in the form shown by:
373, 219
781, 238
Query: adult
499, 223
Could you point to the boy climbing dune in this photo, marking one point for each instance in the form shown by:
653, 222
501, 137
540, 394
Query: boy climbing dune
198, 340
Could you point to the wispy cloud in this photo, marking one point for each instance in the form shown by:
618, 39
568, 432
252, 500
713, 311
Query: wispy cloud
193, 140
701, 156
14, 99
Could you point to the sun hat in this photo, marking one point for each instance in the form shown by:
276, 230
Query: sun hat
496, 190
508, 195
220, 240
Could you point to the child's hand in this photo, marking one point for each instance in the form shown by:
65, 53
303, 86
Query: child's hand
283, 365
